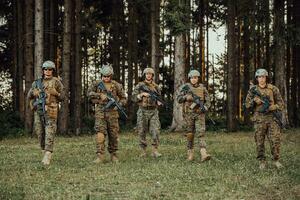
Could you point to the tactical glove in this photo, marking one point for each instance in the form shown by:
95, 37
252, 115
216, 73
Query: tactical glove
189, 97
35, 92
273, 107
257, 100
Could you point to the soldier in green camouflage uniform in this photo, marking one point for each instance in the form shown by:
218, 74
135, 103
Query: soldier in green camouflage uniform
194, 117
264, 122
147, 114
45, 124
106, 121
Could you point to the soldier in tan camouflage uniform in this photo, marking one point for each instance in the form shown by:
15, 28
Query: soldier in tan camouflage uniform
193, 115
106, 121
264, 122
147, 114
45, 124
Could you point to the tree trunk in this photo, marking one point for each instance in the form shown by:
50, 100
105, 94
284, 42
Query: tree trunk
279, 26
14, 52
132, 44
288, 64
246, 60
267, 35
78, 63
231, 82
64, 112
53, 18
28, 55
39, 38
295, 94
155, 35
116, 40
201, 39
179, 79
20, 59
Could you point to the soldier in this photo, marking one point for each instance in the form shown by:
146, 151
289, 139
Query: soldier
194, 113
106, 121
43, 98
147, 114
265, 99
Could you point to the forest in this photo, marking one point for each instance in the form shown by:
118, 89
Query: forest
171, 36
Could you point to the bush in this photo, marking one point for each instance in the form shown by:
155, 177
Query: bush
11, 124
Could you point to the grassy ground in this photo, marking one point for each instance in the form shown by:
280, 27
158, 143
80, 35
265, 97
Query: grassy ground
232, 173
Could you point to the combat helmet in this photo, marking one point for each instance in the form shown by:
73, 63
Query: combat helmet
261, 72
148, 70
107, 70
48, 65
193, 73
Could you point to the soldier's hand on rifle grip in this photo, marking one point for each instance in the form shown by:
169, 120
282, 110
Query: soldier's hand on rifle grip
257, 100
103, 97
273, 107
36, 92
143, 94
189, 97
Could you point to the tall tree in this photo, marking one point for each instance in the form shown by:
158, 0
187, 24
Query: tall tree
295, 95
155, 35
179, 79
279, 28
180, 25
132, 45
117, 9
78, 64
38, 38
231, 79
246, 61
28, 56
20, 58
64, 112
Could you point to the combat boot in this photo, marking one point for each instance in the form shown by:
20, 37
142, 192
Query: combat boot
143, 153
114, 158
278, 165
47, 158
155, 152
100, 158
204, 155
262, 164
190, 154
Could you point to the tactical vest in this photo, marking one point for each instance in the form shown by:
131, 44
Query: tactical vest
199, 90
267, 91
111, 87
51, 100
147, 102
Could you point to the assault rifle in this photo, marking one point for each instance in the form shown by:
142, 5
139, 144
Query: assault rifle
196, 101
265, 108
154, 96
111, 100
40, 106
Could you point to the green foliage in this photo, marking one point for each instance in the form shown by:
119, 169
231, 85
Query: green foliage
10, 124
177, 17
232, 173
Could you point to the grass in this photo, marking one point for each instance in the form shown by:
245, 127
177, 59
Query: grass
232, 173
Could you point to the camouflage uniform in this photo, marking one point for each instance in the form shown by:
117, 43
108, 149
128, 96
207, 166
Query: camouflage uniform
106, 122
264, 123
195, 119
51, 107
147, 115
